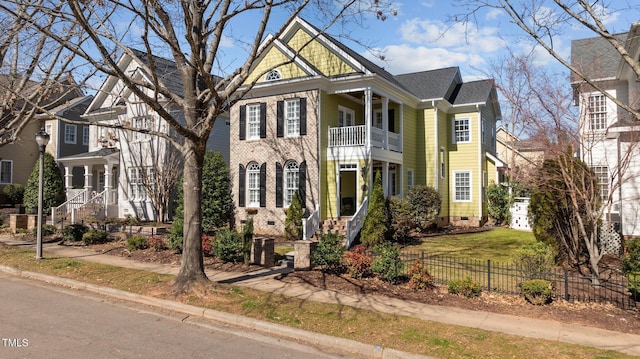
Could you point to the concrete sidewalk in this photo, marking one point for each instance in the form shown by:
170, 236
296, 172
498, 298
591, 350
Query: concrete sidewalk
265, 280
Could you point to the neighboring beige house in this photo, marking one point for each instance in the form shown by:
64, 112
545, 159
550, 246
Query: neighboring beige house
18, 158
522, 158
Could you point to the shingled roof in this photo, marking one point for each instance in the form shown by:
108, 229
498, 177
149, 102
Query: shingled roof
596, 57
432, 84
165, 70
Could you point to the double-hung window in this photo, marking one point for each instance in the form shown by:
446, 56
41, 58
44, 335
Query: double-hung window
462, 186
144, 125
6, 171
136, 183
602, 174
85, 135
443, 163
253, 121
597, 112
292, 117
69, 133
253, 185
462, 130
291, 181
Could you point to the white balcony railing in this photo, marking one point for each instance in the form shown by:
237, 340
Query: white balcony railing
347, 136
357, 136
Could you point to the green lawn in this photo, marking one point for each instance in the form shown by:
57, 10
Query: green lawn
498, 244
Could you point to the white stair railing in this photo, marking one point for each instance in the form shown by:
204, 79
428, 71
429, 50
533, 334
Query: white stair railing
355, 223
310, 225
60, 213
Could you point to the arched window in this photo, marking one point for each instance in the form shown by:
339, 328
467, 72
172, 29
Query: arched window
272, 75
291, 181
253, 185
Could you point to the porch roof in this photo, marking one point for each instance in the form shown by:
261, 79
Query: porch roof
99, 156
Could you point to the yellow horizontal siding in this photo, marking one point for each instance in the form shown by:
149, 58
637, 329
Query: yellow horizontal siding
275, 59
325, 60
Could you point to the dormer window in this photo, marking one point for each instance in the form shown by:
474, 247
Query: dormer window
272, 75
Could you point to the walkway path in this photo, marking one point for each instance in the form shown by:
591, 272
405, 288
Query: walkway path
264, 280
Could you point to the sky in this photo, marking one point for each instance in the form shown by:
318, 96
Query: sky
415, 40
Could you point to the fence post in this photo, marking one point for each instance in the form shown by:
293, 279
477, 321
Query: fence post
566, 284
488, 275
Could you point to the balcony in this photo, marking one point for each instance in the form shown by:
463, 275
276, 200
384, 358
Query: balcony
350, 136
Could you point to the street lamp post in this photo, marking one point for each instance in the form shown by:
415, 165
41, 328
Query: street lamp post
42, 138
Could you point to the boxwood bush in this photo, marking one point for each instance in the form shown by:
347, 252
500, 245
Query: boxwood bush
537, 291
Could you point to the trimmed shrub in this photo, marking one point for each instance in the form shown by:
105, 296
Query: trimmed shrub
14, 193
537, 291
53, 190
631, 259
95, 236
401, 219
228, 246
174, 241
500, 201
466, 287
137, 242
424, 204
536, 260
207, 246
358, 262
419, 277
47, 230
387, 264
376, 223
293, 221
157, 243
329, 252
74, 232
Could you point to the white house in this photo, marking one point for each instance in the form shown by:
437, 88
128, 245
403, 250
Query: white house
609, 134
121, 166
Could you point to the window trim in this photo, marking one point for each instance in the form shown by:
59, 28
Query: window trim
67, 134
410, 178
288, 190
604, 113
468, 130
255, 122
85, 135
443, 162
455, 186
273, 75
599, 171
253, 169
10, 172
287, 103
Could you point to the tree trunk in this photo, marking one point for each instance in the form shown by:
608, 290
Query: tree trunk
192, 265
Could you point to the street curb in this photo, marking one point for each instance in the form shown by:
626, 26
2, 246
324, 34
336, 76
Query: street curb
343, 345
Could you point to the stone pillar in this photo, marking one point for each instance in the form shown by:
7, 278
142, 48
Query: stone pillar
302, 256
263, 252
17, 221
68, 178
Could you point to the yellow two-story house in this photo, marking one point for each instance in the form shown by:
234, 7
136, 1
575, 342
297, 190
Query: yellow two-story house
321, 120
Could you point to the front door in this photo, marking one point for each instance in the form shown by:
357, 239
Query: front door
347, 190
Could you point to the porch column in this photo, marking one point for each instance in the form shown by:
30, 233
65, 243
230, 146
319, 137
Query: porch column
385, 179
68, 178
400, 124
368, 114
107, 182
87, 178
385, 121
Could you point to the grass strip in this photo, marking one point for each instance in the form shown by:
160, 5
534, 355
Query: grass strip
392, 331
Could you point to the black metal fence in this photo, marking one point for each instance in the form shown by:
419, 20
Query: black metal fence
612, 287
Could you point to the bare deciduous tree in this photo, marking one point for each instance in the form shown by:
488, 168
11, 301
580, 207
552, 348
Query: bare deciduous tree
191, 34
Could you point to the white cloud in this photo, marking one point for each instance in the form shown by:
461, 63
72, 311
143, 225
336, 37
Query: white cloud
494, 14
401, 59
458, 35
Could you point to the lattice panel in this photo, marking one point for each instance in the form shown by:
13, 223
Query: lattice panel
610, 239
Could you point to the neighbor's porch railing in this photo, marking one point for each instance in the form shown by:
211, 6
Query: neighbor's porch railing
355, 223
59, 214
310, 225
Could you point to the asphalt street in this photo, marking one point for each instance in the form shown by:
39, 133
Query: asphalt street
43, 321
